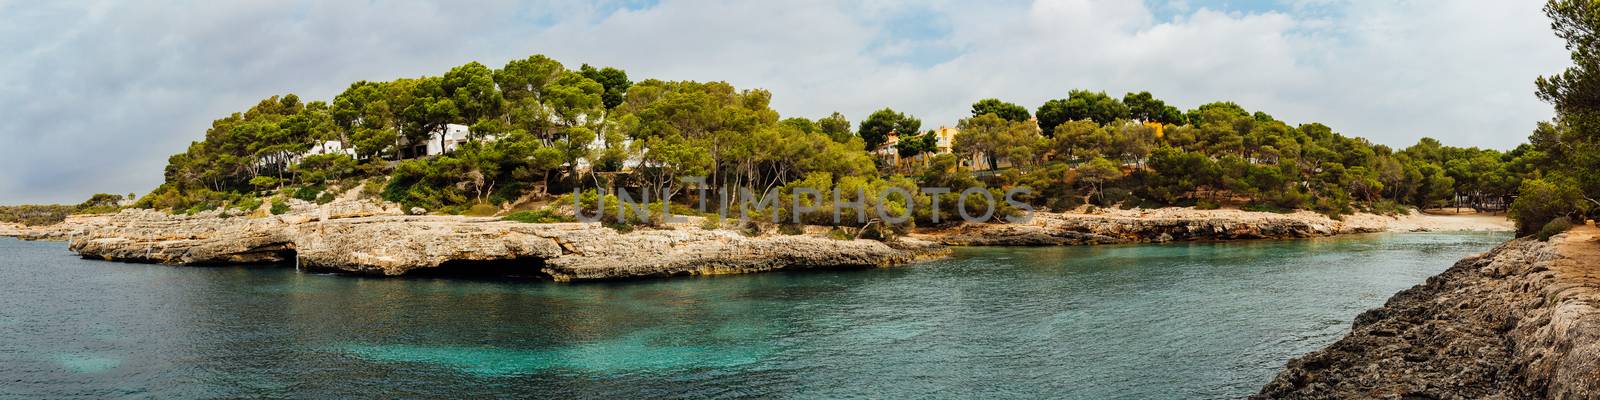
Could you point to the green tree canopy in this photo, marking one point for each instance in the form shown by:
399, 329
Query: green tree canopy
876, 128
1008, 111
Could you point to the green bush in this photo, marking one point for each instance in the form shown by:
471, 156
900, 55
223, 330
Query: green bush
1554, 227
791, 229
1540, 201
199, 208
100, 203
263, 182
1266, 207
35, 215
308, 192
1388, 207
372, 188
279, 207
1207, 204
541, 216
711, 222
248, 203
619, 226
321, 168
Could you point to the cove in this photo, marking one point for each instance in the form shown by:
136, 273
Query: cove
1181, 320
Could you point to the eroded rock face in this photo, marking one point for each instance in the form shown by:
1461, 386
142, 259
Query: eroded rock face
368, 241
1517, 322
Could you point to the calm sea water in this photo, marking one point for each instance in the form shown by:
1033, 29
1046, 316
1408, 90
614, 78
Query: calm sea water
1192, 320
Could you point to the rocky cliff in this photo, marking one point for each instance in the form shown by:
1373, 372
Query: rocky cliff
1517, 322
366, 239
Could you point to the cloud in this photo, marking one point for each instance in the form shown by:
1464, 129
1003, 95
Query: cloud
100, 93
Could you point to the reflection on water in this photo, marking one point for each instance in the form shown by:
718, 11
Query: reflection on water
1188, 320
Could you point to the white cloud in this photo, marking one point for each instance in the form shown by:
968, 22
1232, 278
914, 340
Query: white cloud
100, 93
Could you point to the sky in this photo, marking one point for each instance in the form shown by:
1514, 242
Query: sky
97, 94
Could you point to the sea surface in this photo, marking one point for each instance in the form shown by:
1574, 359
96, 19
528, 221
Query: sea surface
1186, 320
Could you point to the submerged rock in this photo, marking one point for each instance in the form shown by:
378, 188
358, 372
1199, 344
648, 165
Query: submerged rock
368, 241
1517, 322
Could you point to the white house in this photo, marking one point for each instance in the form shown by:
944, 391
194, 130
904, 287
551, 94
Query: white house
330, 147
599, 144
454, 136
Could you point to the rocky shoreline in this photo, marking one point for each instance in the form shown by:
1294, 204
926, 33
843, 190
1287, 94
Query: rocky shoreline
363, 238
1187, 224
1520, 321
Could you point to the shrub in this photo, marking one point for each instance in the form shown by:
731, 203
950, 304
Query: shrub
199, 208
279, 207
541, 216
263, 182
34, 215
712, 222
791, 229
1554, 227
1388, 207
325, 198
100, 203
1540, 201
248, 203
308, 192
1207, 204
1266, 207
325, 167
620, 227
371, 188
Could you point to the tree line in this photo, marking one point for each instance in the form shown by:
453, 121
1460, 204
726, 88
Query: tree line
1562, 156
556, 130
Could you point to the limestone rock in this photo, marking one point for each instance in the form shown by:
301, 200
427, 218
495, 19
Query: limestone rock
375, 240
1517, 322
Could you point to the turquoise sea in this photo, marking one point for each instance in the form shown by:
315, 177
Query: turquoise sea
1185, 320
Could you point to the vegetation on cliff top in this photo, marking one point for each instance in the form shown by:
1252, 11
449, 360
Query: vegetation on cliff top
49, 214
539, 128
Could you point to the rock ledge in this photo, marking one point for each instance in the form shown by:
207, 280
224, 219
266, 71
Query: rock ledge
1520, 321
364, 242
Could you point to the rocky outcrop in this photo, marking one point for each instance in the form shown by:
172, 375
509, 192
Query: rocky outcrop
1520, 321
372, 241
74, 224
1180, 224
1078, 229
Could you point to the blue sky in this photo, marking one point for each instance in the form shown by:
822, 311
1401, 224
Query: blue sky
101, 92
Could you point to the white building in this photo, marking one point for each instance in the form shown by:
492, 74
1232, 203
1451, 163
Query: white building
330, 147
454, 136
599, 145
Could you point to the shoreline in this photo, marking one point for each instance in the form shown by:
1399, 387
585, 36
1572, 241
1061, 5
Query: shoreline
1189, 224
360, 237
1517, 321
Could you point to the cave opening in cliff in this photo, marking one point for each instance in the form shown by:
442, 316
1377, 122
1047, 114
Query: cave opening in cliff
524, 268
276, 255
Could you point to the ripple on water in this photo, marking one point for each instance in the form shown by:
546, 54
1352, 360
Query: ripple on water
86, 363
630, 353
